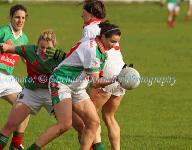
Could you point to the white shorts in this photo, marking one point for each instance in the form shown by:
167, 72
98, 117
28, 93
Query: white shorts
8, 85
113, 66
75, 91
173, 7
36, 99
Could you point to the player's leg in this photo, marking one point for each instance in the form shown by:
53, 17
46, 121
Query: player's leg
11, 91
97, 143
99, 98
17, 139
63, 113
108, 114
86, 110
176, 12
18, 113
62, 105
19, 132
170, 20
189, 11
77, 124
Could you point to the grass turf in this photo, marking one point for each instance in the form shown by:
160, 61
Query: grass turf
152, 117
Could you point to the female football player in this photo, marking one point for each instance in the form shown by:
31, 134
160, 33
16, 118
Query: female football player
109, 97
40, 63
12, 34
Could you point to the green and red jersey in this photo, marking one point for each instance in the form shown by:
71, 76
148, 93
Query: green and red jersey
8, 61
38, 70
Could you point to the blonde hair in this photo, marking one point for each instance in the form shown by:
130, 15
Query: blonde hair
48, 36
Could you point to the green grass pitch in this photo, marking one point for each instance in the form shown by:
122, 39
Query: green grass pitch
152, 117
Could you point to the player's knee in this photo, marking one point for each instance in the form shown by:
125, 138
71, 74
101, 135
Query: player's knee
93, 124
64, 126
67, 125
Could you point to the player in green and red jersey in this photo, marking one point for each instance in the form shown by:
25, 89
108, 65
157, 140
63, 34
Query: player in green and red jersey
35, 93
12, 34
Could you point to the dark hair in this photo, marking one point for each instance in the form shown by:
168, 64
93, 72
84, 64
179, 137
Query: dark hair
95, 7
17, 7
109, 29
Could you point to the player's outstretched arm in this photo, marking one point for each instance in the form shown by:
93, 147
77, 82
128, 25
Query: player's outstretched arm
55, 53
98, 82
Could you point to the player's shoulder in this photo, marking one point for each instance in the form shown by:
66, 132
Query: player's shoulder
93, 22
90, 26
5, 28
89, 43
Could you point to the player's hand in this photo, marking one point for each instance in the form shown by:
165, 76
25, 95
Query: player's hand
55, 53
59, 55
122, 72
129, 65
50, 52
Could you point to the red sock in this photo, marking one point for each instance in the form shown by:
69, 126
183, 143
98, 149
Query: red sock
1, 147
170, 24
17, 139
89, 149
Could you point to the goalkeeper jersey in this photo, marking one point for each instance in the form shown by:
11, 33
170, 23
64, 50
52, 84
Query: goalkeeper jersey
88, 56
8, 61
38, 70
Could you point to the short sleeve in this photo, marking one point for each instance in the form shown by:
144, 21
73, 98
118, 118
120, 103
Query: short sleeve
91, 31
88, 58
88, 34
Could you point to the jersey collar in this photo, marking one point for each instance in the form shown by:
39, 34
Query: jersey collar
94, 20
14, 34
100, 44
